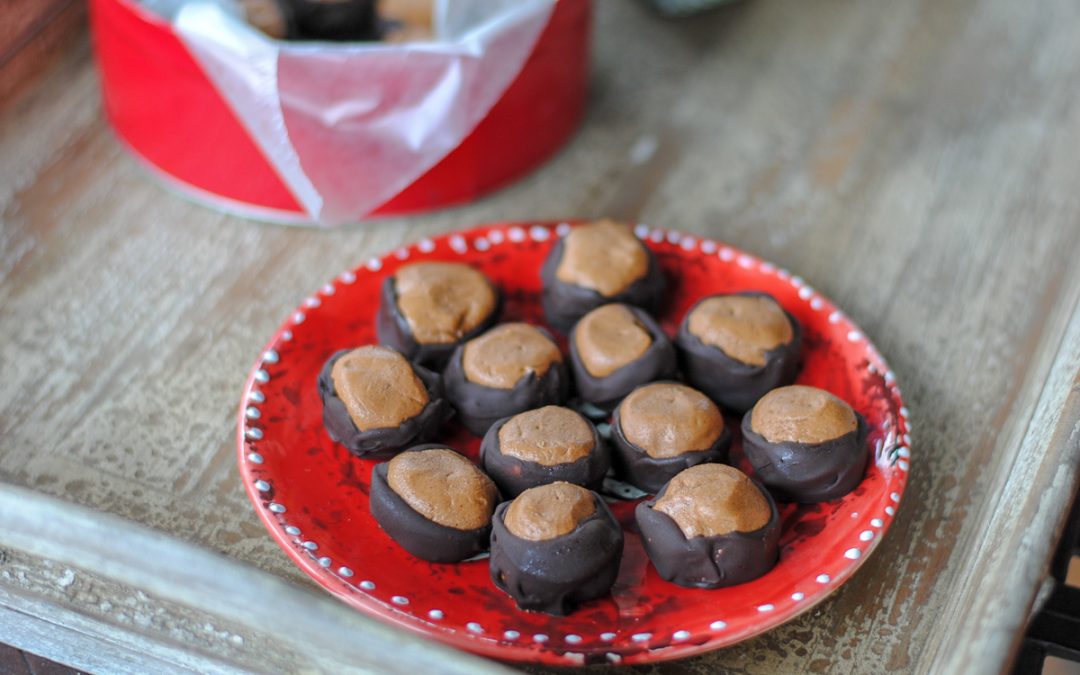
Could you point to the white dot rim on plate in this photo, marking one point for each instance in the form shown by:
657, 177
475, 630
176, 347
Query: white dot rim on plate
474, 244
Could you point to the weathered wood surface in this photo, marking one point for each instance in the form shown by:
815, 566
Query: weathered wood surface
162, 605
33, 34
914, 161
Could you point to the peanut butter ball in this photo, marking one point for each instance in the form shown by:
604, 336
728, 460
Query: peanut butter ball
428, 308
662, 428
554, 547
595, 264
549, 511
710, 526
616, 347
376, 403
737, 347
544, 445
511, 368
805, 444
434, 502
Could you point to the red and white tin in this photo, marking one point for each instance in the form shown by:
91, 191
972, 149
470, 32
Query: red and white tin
328, 133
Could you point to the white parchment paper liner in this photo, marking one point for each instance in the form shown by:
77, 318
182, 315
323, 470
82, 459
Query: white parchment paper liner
348, 126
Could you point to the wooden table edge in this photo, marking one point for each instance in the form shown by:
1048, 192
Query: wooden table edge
172, 570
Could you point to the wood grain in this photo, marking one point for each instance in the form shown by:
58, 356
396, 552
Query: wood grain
219, 616
33, 35
913, 161
21, 21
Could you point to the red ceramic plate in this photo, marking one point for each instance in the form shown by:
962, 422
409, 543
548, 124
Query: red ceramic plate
312, 494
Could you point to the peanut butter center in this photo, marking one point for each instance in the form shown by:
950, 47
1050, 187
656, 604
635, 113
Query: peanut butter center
549, 511
666, 419
266, 15
550, 435
444, 487
800, 414
712, 499
604, 256
379, 388
503, 355
407, 20
441, 301
608, 338
745, 327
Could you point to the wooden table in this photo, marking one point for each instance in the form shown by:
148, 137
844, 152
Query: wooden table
915, 161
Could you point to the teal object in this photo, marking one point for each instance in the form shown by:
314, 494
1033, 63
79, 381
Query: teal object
686, 7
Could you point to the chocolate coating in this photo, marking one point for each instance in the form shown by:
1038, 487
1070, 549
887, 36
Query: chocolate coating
335, 19
514, 475
556, 575
564, 303
732, 383
381, 442
808, 472
420, 536
393, 329
637, 467
479, 406
707, 561
657, 363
